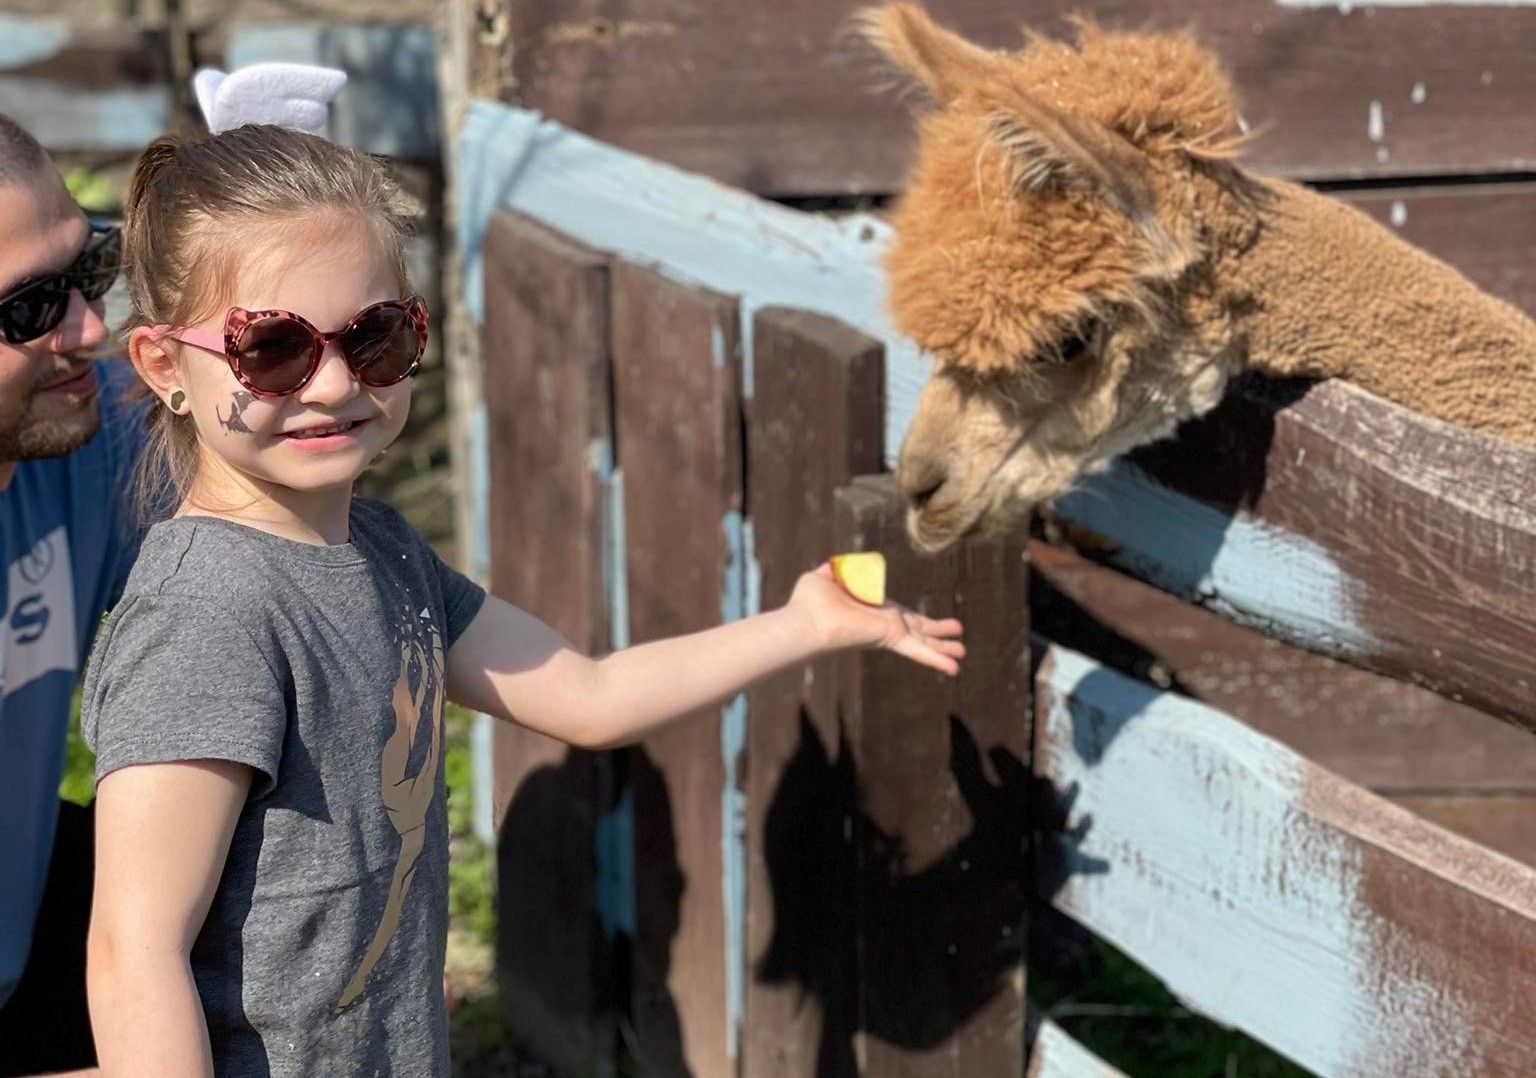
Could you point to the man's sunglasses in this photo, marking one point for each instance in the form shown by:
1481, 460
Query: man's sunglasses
37, 307
274, 353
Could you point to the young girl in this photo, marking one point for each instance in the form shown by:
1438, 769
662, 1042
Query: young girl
266, 702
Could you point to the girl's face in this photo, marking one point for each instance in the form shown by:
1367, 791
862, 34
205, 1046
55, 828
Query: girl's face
322, 436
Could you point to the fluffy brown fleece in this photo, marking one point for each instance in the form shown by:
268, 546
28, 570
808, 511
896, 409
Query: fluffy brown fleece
1088, 266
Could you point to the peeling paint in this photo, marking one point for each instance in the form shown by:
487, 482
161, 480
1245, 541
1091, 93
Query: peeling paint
607, 33
739, 591
1249, 571
1376, 123
1182, 815
1419, 94
1399, 213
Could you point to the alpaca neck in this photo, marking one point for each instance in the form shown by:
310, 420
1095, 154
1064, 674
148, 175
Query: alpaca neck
1320, 290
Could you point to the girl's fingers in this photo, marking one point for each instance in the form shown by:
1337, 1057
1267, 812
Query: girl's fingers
935, 627
911, 647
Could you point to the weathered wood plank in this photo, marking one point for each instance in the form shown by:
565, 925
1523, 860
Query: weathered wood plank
1273, 895
1455, 766
776, 99
1502, 821
1345, 524
99, 87
1054, 1054
678, 414
813, 423
546, 392
1487, 232
940, 815
1384, 734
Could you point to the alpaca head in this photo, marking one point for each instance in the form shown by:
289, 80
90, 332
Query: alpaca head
1051, 256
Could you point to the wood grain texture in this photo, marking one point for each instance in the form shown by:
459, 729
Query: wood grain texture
813, 423
941, 813
1272, 895
1343, 523
778, 99
678, 414
1455, 766
546, 393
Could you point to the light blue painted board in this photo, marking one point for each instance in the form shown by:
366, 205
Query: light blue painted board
1056, 1055
390, 104
64, 116
1249, 571
685, 226
1233, 869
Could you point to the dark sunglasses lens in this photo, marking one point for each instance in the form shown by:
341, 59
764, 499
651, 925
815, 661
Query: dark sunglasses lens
99, 270
34, 311
382, 346
275, 354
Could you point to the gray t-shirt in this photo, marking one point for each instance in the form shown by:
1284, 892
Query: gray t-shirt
321, 667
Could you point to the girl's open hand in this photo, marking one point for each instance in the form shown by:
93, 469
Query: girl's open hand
841, 621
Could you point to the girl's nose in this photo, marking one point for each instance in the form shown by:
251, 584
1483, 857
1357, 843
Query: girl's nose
83, 326
334, 383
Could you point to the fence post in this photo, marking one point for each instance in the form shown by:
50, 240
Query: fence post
546, 390
678, 411
814, 421
940, 820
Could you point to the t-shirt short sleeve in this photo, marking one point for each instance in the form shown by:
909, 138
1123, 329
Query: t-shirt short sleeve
462, 599
175, 678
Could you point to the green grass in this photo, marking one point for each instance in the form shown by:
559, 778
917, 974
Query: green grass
1128, 1018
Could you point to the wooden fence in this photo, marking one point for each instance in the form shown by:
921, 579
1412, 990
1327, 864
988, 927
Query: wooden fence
833, 875
1263, 724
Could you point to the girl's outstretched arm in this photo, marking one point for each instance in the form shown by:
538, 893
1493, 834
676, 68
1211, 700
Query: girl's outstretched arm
162, 834
511, 665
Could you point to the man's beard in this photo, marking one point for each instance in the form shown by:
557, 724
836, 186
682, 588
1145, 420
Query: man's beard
37, 439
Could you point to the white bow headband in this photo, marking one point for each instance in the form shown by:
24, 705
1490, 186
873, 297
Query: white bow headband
296, 96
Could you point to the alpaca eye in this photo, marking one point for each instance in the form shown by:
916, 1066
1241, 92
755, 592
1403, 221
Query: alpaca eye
1069, 349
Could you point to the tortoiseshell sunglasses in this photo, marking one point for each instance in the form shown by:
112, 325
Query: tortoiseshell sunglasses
275, 353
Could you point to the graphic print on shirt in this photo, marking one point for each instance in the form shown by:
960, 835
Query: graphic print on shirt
418, 697
40, 620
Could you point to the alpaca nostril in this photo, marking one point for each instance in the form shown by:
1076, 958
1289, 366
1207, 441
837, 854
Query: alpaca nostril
921, 482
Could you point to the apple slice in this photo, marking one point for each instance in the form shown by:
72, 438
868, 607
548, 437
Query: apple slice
862, 575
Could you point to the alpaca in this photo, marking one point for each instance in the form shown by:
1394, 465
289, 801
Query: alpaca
1079, 253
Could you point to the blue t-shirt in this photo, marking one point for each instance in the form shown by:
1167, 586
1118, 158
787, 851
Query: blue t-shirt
67, 539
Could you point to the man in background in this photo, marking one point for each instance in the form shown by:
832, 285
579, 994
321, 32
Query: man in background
67, 453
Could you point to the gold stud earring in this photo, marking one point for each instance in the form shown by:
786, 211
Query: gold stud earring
178, 398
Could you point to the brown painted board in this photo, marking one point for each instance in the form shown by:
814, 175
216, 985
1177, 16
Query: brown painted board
778, 100
546, 392
1505, 822
678, 411
1486, 231
77, 87
1456, 766
1345, 524
814, 421
1274, 896
940, 818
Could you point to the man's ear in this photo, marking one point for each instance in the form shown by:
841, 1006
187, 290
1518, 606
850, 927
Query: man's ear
155, 361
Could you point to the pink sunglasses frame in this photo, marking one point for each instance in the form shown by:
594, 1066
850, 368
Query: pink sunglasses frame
227, 344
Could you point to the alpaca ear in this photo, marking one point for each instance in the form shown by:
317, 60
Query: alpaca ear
1051, 150
943, 62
